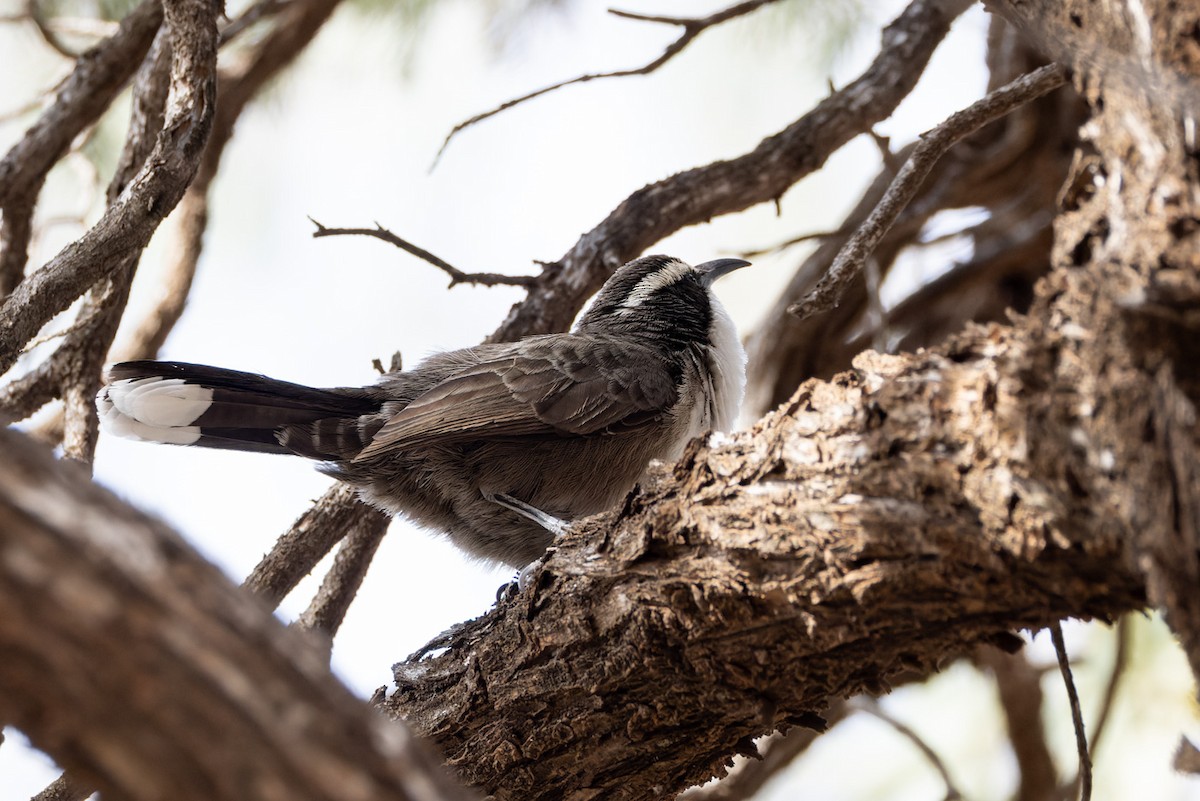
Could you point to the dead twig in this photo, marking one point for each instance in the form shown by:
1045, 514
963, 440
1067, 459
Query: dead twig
1120, 660
692, 27
1085, 759
931, 147
723, 187
872, 707
457, 276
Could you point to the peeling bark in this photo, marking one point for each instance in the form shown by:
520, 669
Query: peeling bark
883, 522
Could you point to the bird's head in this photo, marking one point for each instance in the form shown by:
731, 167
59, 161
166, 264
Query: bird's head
659, 297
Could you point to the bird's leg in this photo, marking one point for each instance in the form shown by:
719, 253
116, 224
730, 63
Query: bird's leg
555, 525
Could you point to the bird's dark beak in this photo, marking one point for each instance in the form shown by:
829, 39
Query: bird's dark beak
710, 271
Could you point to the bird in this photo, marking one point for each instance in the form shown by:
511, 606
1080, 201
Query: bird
500, 446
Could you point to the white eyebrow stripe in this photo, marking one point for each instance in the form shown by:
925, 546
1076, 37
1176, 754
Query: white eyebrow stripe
654, 282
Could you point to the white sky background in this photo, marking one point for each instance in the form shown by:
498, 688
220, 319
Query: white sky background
348, 136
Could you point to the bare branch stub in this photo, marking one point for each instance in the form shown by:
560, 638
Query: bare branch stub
692, 27
929, 149
457, 276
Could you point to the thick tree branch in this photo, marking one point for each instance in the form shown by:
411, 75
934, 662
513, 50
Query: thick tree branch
227, 704
764, 174
931, 147
1014, 169
883, 522
127, 224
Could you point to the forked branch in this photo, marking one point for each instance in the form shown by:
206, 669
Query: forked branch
692, 27
457, 276
932, 146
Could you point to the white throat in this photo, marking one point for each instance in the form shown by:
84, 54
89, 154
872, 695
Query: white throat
727, 364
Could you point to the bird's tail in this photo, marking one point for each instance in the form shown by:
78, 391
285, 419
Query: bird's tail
191, 404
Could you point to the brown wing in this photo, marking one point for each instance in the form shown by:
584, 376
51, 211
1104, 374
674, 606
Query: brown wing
568, 386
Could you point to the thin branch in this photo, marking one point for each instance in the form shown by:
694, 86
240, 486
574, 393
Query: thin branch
72, 372
723, 187
1019, 162
16, 234
796, 240
692, 27
259, 11
1085, 759
457, 276
301, 547
126, 226
80, 101
294, 29
49, 36
932, 146
1120, 661
872, 707
329, 606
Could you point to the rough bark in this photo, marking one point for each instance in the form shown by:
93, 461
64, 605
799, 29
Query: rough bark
127, 224
1013, 168
148, 675
886, 520
1131, 220
889, 518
